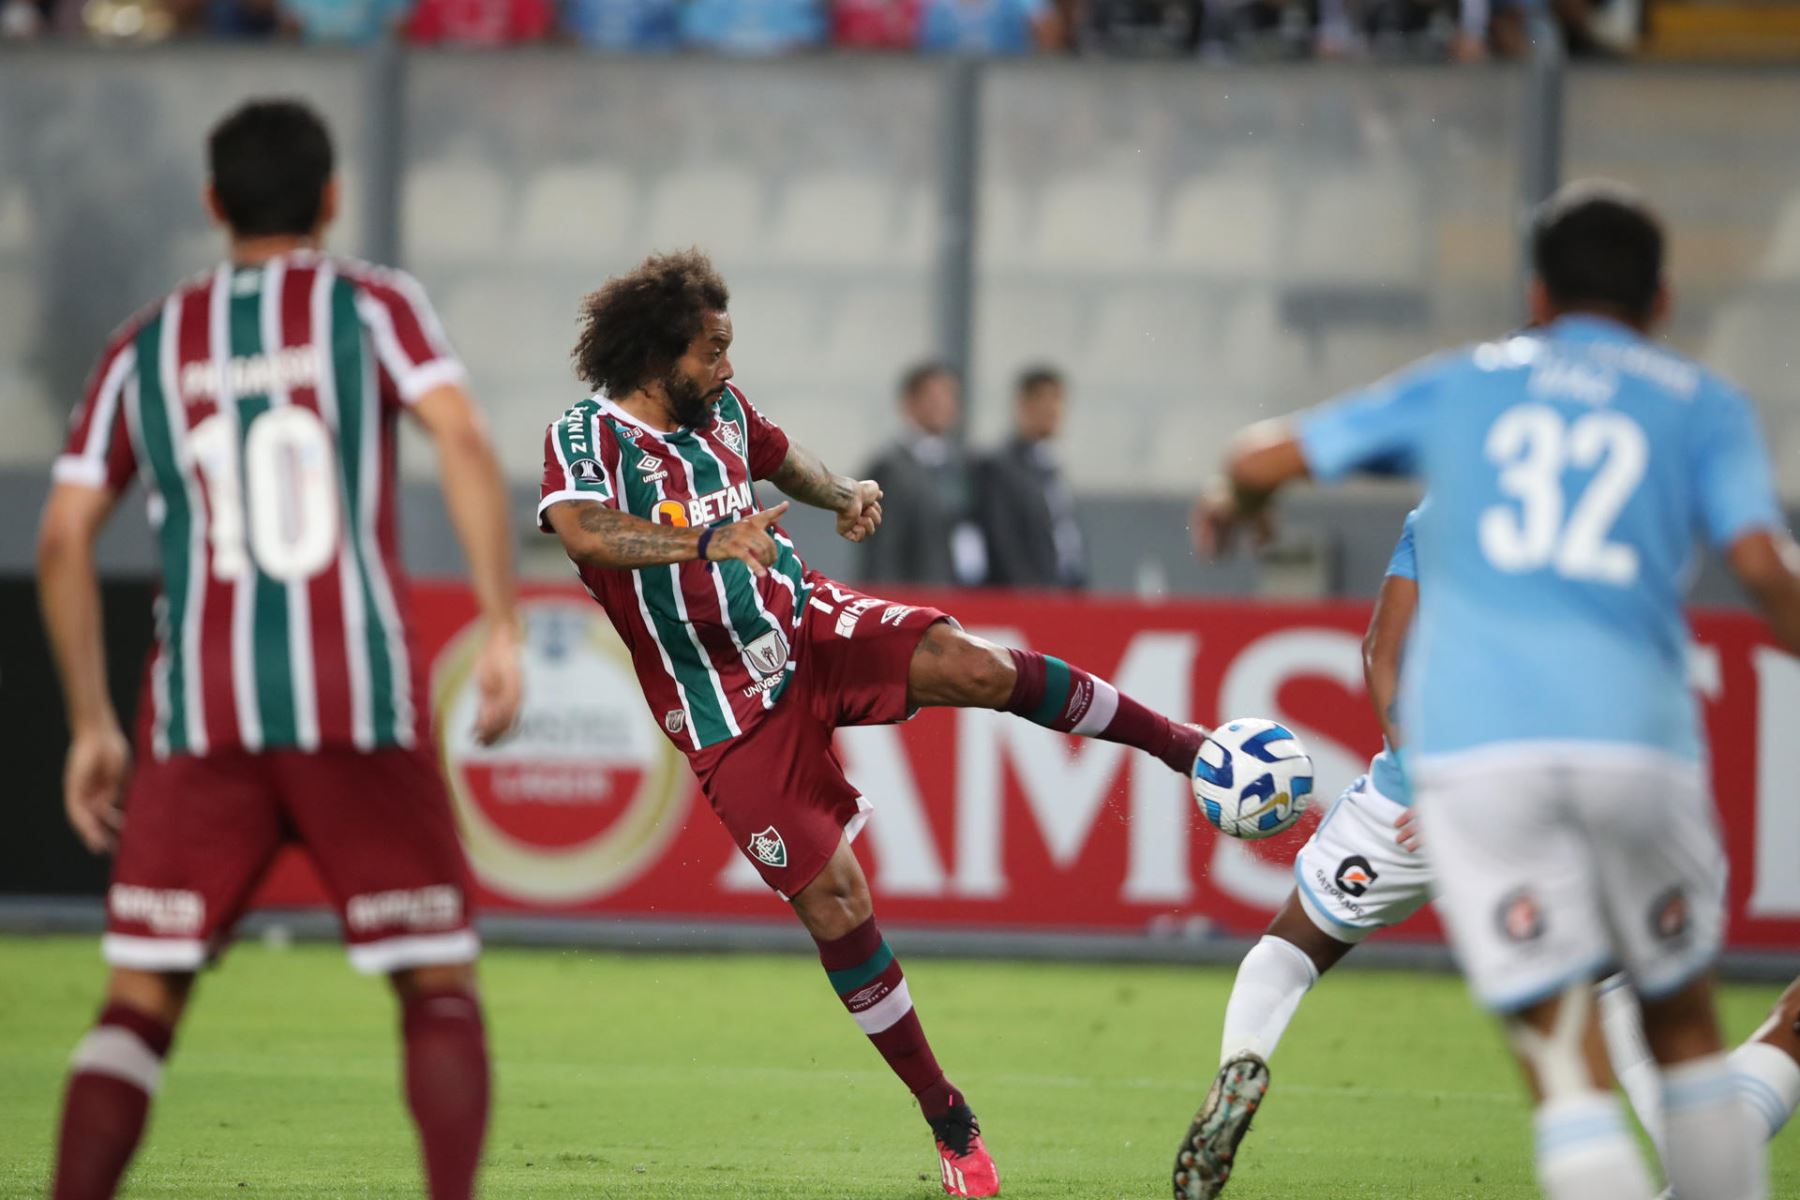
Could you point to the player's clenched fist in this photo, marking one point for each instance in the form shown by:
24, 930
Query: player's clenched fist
93, 784
861, 515
747, 540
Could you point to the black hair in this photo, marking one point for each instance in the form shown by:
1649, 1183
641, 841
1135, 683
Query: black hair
270, 161
637, 326
1599, 245
1035, 376
919, 374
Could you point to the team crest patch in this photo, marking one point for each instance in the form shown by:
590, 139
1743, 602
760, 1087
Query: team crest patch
768, 848
732, 434
675, 720
1519, 916
768, 654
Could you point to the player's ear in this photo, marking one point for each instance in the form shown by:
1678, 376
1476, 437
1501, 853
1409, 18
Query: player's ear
328, 204
209, 197
1537, 300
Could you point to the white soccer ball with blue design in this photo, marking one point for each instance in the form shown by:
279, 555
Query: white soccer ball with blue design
1253, 779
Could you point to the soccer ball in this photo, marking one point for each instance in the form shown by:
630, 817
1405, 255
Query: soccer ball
1253, 779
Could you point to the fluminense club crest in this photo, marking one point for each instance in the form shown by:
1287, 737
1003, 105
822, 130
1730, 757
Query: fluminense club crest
767, 847
732, 434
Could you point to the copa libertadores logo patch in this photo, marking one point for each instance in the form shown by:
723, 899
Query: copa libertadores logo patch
768, 848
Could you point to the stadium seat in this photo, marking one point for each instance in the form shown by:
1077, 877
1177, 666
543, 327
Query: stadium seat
578, 215
1783, 258
1749, 344
453, 211
19, 301
1225, 223
916, 242
1096, 221
875, 330
1017, 325
836, 217
780, 334
1002, 224
15, 219
346, 233
1144, 334
505, 324
1366, 228
718, 208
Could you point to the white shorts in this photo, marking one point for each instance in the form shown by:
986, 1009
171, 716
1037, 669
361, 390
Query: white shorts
1352, 876
1560, 866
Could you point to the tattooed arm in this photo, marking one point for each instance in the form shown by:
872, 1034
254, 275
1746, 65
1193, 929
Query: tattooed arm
857, 503
598, 536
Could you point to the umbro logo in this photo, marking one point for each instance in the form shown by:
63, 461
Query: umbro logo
651, 468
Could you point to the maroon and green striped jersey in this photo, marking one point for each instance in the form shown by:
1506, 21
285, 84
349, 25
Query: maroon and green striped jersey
713, 645
258, 405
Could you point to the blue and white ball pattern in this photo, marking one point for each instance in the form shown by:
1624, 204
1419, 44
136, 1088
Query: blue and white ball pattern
1253, 779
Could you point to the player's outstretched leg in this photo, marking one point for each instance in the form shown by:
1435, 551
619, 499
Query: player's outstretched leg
114, 1074
1767, 1067
1716, 1149
1271, 981
952, 669
836, 909
446, 1073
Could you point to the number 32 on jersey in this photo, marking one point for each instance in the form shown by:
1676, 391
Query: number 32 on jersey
275, 503
1533, 445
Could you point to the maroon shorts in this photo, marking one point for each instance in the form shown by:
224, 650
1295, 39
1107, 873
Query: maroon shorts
780, 788
201, 831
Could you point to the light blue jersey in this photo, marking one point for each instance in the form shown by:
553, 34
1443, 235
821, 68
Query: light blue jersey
1386, 773
1571, 471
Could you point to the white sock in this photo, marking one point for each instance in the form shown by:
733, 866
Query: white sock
1769, 1082
1716, 1147
1638, 1073
1584, 1150
1270, 983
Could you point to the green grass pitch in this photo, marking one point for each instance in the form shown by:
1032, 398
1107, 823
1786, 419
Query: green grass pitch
737, 1076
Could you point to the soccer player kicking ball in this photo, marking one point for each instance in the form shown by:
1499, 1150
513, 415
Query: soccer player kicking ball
258, 403
1553, 743
749, 661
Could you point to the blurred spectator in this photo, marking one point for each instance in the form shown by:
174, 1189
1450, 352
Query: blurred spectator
353, 21
753, 26
1150, 28
480, 22
624, 24
875, 24
1026, 511
928, 530
995, 27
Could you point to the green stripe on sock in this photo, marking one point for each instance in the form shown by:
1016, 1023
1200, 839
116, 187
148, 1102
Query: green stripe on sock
850, 978
1056, 692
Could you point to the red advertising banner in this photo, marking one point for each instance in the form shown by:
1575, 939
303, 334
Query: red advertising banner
985, 821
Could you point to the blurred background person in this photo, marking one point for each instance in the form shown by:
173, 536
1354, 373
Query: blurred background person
929, 533
1026, 511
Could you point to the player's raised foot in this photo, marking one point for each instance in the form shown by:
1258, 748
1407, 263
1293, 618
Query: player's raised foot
968, 1171
1204, 1162
1185, 747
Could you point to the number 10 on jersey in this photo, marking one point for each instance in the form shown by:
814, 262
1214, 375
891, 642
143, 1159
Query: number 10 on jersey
275, 503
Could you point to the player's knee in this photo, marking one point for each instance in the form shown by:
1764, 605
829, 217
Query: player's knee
409, 982
985, 671
161, 994
1682, 1026
1552, 1042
